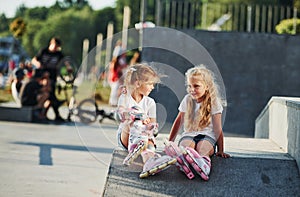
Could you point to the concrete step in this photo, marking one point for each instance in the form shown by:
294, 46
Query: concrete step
258, 167
11, 111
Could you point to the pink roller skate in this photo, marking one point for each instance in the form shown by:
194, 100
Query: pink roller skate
136, 144
138, 136
134, 151
201, 164
174, 151
156, 164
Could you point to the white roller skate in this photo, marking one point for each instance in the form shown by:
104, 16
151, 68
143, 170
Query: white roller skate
139, 134
201, 164
156, 164
137, 143
174, 151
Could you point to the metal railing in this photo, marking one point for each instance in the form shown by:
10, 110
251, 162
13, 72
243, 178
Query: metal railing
192, 14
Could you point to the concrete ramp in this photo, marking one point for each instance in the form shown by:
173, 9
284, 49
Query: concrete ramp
244, 174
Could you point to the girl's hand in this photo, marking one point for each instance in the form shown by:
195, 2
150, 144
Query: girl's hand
146, 121
222, 154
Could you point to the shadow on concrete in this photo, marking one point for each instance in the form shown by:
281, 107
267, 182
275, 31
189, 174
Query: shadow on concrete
46, 149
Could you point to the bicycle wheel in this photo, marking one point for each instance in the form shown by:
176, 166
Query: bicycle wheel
87, 111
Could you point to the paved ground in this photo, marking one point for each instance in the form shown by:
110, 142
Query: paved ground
257, 168
54, 160
74, 160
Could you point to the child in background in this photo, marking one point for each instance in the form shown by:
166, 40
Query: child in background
138, 120
201, 113
17, 83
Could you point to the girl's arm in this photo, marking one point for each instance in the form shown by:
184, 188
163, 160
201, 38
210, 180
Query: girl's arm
217, 127
176, 126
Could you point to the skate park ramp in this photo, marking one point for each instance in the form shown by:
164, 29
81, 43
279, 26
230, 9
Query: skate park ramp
258, 167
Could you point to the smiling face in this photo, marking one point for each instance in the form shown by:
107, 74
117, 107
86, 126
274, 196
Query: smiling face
196, 88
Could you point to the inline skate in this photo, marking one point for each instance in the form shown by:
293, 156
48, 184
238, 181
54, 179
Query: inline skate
156, 164
201, 164
174, 151
139, 134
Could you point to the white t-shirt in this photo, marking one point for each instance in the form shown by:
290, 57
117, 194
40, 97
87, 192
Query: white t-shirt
215, 109
147, 104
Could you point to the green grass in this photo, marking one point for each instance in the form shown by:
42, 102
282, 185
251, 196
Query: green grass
85, 90
5, 95
89, 90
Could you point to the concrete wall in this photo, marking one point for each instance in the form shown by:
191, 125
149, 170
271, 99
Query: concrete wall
254, 67
280, 121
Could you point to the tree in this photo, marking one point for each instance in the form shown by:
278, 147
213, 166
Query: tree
102, 18
40, 13
28, 38
72, 27
75, 3
18, 27
135, 12
288, 26
3, 23
21, 11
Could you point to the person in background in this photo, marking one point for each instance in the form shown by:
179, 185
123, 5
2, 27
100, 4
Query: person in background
17, 83
36, 93
29, 69
116, 68
48, 60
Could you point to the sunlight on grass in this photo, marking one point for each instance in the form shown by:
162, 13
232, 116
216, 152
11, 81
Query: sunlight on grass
86, 90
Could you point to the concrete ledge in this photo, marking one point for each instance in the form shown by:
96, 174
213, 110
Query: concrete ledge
279, 121
13, 112
229, 177
258, 167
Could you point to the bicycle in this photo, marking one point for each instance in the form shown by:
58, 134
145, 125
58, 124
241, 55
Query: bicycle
86, 110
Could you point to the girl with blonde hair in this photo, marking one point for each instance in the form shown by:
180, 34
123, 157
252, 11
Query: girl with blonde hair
137, 112
200, 112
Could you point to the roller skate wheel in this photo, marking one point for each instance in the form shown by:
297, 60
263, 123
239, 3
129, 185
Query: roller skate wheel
162, 166
203, 176
189, 159
179, 160
197, 168
173, 161
185, 169
153, 171
144, 174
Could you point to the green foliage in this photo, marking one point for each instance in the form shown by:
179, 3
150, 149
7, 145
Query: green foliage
101, 20
18, 27
4, 23
5, 94
72, 27
134, 10
287, 26
28, 38
21, 11
37, 13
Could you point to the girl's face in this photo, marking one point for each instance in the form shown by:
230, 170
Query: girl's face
196, 88
145, 88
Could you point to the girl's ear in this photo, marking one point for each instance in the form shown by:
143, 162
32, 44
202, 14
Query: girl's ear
137, 83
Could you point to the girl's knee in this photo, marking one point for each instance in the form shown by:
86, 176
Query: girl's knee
205, 148
124, 138
187, 143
